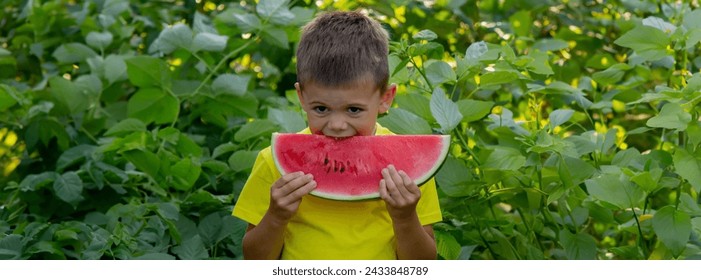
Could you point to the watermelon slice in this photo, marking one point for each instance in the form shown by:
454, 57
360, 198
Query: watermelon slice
350, 168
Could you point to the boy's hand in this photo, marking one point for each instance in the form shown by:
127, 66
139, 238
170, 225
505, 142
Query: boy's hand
286, 194
400, 193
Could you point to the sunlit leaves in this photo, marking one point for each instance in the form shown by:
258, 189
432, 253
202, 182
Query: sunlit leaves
617, 191
402, 121
231, 84
444, 110
73, 53
672, 116
144, 71
275, 11
648, 42
578, 246
673, 228
688, 167
153, 105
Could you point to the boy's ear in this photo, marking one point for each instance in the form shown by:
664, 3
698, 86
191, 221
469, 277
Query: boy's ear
299, 93
387, 98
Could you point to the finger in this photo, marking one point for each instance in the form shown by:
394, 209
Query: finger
384, 194
392, 189
298, 193
410, 185
398, 181
297, 183
286, 179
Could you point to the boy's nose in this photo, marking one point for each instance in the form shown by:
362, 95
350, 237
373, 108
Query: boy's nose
338, 124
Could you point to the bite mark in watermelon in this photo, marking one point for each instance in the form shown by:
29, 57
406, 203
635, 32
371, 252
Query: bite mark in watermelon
350, 168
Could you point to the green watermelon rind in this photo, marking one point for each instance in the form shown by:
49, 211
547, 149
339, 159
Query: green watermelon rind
375, 195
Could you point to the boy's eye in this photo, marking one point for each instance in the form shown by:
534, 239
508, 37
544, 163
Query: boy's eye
320, 109
354, 110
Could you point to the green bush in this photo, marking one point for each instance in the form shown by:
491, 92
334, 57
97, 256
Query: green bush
128, 128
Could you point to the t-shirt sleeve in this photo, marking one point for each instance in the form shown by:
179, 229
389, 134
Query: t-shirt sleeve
428, 208
255, 196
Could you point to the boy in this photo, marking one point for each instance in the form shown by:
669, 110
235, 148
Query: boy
342, 85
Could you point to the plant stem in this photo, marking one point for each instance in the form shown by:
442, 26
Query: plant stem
411, 59
640, 240
222, 62
463, 143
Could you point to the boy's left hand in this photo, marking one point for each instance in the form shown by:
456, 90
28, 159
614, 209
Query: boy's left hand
399, 192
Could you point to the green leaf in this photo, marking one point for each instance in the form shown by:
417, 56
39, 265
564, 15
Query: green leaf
401, 121
153, 105
68, 95
144, 160
648, 180
611, 75
497, 78
447, 246
455, 179
579, 246
503, 158
439, 72
236, 85
415, 103
474, 110
8, 97
74, 155
673, 227
609, 188
215, 227
247, 22
191, 249
475, 51
425, 34
277, 37
11, 247
126, 126
242, 160
168, 210
99, 40
276, 11
172, 38
445, 111
688, 167
35, 181
692, 19
185, 173
209, 42
289, 121
672, 116
69, 187
648, 42
187, 147
115, 69
540, 64
660, 24
223, 149
254, 129
559, 117
145, 71
73, 53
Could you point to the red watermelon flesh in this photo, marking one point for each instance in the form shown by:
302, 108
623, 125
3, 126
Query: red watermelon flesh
350, 168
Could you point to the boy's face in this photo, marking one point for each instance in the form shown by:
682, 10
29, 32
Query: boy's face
343, 112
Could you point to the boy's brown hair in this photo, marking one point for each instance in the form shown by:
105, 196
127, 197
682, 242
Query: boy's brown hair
338, 49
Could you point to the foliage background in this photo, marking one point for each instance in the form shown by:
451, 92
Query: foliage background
128, 128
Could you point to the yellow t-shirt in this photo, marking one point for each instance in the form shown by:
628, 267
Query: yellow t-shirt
329, 229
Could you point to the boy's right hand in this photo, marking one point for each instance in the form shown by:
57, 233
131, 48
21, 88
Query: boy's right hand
287, 192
